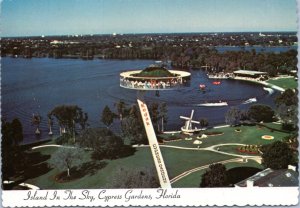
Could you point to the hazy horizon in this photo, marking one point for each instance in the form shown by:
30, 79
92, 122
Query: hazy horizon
99, 17
149, 33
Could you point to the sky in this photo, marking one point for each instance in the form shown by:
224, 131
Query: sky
70, 17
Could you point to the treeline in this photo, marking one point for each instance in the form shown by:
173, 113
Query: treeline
183, 57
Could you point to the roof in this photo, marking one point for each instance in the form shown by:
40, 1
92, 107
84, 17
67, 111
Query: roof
155, 71
270, 178
130, 74
248, 72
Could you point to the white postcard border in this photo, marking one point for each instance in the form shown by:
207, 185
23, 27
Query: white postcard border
153, 197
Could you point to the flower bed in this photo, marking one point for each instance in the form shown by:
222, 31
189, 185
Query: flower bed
248, 149
267, 137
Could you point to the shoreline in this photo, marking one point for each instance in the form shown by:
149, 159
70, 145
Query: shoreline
275, 87
264, 83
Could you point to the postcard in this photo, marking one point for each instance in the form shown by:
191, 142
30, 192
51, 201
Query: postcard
149, 103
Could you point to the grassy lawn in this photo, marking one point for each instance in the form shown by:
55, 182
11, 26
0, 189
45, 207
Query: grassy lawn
273, 125
193, 180
248, 135
285, 83
178, 161
96, 174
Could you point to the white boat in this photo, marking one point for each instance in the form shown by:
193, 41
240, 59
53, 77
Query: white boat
251, 100
213, 104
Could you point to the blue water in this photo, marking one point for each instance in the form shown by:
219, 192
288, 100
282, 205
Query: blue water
38, 85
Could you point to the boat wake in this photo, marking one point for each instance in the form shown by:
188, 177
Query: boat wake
218, 104
251, 100
269, 90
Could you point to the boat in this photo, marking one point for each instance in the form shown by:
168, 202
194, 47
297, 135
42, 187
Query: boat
251, 100
213, 104
202, 86
216, 82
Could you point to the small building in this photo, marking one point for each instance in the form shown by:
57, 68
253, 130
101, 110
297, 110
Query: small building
249, 74
272, 178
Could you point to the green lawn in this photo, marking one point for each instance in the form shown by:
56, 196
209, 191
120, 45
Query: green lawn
178, 161
285, 83
193, 180
273, 125
97, 173
248, 135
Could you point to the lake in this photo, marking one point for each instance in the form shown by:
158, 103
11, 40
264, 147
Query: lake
37, 85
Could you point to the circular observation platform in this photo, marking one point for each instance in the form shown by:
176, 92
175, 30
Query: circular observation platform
155, 78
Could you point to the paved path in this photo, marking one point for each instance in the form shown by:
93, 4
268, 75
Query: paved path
51, 145
240, 158
211, 148
186, 173
27, 185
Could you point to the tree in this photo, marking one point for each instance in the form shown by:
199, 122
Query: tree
66, 157
17, 131
215, 176
203, 122
7, 149
163, 114
121, 106
104, 143
233, 116
292, 141
134, 178
288, 115
36, 120
12, 153
277, 155
50, 124
133, 128
68, 116
154, 114
261, 113
288, 97
107, 116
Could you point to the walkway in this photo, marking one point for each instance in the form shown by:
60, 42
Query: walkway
241, 158
27, 185
211, 148
186, 173
51, 145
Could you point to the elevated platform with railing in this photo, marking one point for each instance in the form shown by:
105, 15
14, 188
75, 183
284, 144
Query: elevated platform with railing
132, 80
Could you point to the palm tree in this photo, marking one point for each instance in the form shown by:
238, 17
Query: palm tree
120, 108
50, 124
36, 120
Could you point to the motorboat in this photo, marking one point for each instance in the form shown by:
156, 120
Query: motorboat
202, 86
213, 104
